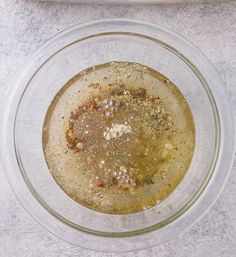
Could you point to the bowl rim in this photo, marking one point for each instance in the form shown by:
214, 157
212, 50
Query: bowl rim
215, 180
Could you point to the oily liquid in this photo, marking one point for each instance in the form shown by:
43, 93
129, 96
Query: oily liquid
118, 137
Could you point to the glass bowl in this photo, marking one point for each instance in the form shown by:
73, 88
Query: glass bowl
50, 68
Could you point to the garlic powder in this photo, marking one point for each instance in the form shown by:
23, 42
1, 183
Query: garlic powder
116, 130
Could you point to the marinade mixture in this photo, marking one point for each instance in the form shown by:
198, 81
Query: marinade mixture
118, 137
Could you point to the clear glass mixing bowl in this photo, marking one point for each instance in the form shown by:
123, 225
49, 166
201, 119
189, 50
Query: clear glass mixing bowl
50, 68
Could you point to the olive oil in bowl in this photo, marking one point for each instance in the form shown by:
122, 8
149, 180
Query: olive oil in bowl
118, 137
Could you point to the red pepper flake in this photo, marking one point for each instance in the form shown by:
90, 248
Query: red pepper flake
100, 183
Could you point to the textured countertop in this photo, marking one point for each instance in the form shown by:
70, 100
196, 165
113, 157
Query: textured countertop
25, 25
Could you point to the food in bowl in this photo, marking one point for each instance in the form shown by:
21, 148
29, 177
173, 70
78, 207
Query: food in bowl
55, 63
118, 137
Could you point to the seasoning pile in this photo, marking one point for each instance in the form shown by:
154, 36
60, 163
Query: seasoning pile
128, 135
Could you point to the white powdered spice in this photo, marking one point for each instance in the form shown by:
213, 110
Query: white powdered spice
116, 130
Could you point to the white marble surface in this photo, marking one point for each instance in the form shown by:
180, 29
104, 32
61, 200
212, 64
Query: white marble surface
25, 25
